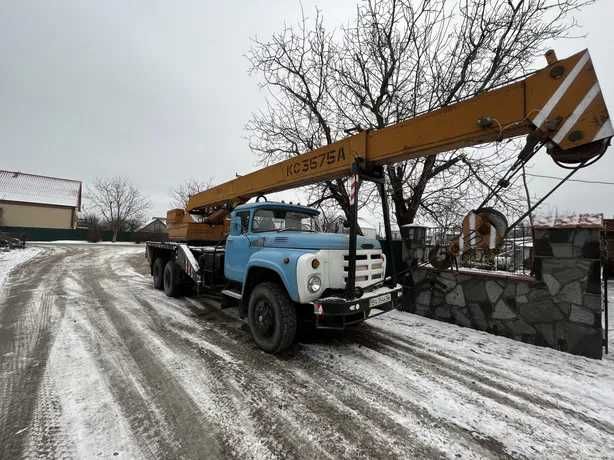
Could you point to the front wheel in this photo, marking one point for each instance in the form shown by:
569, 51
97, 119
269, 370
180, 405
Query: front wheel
271, 317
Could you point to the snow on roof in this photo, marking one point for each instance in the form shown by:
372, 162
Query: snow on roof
570, 221
31, 188
162, 220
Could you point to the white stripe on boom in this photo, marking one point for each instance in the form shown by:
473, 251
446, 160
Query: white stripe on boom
492, 242
560, 91
577, 113
606, 130
472, 229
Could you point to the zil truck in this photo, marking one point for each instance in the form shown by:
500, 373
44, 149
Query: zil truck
281, 272
267, 257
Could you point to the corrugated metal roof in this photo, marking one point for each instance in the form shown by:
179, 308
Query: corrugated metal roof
570, 221
31, 188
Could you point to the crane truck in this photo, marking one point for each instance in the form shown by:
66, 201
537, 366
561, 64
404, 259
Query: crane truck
267, 257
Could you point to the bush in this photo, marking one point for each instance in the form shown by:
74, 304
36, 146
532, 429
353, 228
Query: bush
93, 235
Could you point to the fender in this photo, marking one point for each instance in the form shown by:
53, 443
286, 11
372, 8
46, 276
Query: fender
274, 259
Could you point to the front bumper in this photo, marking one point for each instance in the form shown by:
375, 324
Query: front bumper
338, 313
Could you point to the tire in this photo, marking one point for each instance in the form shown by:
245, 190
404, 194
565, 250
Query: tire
271, 317
172, 279
157, 272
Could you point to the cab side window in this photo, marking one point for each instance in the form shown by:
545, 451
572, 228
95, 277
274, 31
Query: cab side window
244, 216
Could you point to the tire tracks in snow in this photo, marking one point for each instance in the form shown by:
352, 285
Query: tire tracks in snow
508, 394
360, 429
158, 410
386, 408
29, 314
239, 398
181, 378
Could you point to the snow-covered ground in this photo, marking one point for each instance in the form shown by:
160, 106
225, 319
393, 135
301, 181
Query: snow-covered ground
10, 260
95, 362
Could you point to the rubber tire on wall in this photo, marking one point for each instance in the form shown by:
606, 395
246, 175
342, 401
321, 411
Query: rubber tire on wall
172, 279
285, 317
157, 272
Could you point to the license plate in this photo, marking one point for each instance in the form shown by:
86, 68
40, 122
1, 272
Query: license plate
375, 301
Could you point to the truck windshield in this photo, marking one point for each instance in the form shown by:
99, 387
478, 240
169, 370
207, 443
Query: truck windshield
267, 220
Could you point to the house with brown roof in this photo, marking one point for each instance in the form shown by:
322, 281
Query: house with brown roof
30, 200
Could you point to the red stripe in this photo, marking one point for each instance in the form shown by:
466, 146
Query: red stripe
353, 190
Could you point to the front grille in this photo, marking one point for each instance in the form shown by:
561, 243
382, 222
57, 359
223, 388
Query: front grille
370, 267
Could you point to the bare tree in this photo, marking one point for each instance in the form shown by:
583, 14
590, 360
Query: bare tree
297, 67
395, 60
330, 220
118, 202
90, 219
182, 193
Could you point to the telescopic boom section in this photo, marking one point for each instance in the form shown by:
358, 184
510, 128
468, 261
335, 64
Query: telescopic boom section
561, 104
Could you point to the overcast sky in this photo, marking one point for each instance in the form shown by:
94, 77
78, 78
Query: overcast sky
159, 91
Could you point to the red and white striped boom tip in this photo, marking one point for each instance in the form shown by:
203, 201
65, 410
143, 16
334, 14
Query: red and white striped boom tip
578, 103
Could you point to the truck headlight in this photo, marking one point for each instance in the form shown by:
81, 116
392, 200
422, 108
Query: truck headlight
314, 283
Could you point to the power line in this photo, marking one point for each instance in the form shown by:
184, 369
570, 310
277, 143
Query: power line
573, 180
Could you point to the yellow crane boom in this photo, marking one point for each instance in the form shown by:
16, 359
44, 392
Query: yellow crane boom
561, 104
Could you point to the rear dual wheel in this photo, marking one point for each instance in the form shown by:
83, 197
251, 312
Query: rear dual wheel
172, 279
157, 272
169, 277
166, 276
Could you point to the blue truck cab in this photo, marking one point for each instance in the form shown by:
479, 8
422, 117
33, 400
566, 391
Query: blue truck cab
275, 247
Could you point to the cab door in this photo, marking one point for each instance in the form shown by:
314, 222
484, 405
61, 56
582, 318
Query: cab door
238, 248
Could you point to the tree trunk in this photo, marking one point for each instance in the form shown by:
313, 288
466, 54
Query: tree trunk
406, 210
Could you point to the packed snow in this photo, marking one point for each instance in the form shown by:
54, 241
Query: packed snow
11, 259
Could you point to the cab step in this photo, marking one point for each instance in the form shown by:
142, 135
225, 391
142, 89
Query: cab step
232, 294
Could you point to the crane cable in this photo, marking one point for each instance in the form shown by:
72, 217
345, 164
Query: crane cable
584, 181
532, 146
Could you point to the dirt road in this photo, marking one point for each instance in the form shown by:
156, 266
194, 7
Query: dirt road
96, 363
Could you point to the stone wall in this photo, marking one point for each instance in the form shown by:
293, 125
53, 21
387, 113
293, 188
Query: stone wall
560, 307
